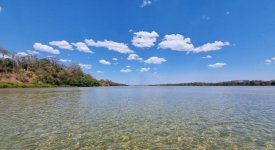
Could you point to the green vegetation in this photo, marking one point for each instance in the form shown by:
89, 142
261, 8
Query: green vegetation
110, 83
29, 71
24, 85
226, 83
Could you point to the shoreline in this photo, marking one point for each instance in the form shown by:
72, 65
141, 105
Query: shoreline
6, 85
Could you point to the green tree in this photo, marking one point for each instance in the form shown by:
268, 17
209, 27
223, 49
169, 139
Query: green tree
4, 52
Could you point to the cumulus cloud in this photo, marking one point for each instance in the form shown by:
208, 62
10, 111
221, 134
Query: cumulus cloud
45, 48
217, 65
217, 45
5, 56
65, 60
144, 39
144, 69
178, 42
146, 3
270, 61
27, 53
85, 66
155, 60
207, 57
126, 70
134, 57
114, 59
100, 71
62, 44
110, 45
104, 62
82, 47
32, 52
21, 54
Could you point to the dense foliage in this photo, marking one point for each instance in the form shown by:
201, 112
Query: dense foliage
110, 83
30, 69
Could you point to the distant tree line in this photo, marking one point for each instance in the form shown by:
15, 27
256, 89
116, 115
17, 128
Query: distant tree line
226, 83
28, 68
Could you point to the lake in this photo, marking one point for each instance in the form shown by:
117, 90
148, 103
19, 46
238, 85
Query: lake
138, 118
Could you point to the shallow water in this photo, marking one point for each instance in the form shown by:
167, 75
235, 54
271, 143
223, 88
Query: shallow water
138, 118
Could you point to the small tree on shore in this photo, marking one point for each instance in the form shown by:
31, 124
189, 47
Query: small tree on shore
4, 52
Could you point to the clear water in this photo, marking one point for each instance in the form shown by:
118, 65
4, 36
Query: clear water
138, 118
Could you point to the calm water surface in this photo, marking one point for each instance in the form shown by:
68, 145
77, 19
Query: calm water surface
138, 118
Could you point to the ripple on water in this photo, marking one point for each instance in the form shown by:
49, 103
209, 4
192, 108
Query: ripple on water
138, 118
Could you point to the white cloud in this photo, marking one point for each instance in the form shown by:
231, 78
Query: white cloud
217, 45
100, 71
21, 54
146, 3
125, 70
144, 69
207, 57
45, 48
85, 66
32, 52
178, 42
217, 65
27, 53
65, 60
82, 47
62, 44
5, 56
110, 45
134, 57
144, 39
50, 57
155, 60
268, 61
114, 59
104, 62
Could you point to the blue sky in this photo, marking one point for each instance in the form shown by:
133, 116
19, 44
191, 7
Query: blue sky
147, 42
